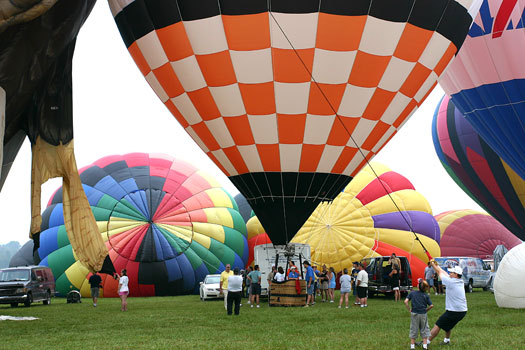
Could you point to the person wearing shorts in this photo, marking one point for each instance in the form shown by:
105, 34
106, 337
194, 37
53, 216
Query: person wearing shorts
123, 289
429, 277
309, 278
455, 302
346, 285
94, 282
394, 281
255, 282
362, 285
421, 304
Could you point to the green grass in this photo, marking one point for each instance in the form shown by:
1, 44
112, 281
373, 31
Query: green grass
185, 322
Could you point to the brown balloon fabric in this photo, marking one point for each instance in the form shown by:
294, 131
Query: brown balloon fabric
59, 161
24, 11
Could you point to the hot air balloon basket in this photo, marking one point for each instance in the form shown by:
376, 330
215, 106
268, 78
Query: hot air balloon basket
288, 293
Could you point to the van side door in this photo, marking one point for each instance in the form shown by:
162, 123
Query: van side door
38, 292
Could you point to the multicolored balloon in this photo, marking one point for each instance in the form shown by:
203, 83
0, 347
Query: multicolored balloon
472, 233
487, 79
364, 222
283, 94
166, 222
477, 169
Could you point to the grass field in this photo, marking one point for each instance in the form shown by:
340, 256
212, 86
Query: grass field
185, 322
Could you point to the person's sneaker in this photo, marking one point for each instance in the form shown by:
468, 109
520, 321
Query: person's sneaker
306, 305
258, 306
346, 307
444, 343
436, 293
362, 305
357, 303
339, 307
249, 302
331, 301
251, 305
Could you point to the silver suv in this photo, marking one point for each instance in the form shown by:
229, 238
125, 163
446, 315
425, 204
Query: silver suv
26, 284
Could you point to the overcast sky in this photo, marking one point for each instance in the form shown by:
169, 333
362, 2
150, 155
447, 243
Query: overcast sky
116, 112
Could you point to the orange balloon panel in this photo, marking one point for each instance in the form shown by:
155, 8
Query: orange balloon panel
281, 94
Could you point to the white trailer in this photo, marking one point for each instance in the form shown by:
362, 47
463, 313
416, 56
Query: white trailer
265, 255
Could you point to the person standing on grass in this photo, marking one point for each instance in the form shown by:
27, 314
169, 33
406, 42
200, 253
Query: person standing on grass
455, 302
94, 282
362, 285
324, 281
271, 278
394, 282
309, 278
421, 304
331, 283
123, 289
234, 292
247, 284
223, 284
429, 277
355, 271
255, 283
346, 285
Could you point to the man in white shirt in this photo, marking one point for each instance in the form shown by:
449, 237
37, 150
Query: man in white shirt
362, 285
234, 292
455, 301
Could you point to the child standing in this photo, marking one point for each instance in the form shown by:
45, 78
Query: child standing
421, 304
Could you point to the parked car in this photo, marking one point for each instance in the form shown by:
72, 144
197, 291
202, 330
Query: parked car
476, 273
379, 268
26, 284
210, 287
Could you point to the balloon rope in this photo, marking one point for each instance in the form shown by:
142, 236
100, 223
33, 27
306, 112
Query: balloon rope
350, 135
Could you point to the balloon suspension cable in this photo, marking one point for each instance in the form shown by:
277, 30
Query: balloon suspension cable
350, 135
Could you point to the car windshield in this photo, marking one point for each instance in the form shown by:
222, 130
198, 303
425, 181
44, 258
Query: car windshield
212, 279
14, 275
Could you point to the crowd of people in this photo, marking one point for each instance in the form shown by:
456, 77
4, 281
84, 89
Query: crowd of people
322, 282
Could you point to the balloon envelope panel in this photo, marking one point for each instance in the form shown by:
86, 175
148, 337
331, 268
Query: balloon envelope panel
509, 284
363, 222
477, 169
168, 223
272, 91
487, 79
472, 233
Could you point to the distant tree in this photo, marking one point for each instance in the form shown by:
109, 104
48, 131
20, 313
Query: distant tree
7, 251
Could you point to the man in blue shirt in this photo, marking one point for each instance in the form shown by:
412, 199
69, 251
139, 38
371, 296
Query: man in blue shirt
309, 278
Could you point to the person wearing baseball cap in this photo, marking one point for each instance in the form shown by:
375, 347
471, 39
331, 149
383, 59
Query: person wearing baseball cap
455, 301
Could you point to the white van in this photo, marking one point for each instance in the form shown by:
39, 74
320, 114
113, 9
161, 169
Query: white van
264, 255
476, 273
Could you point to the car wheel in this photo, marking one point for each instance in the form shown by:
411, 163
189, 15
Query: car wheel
469, 287
14, 304
29, 300
47, 301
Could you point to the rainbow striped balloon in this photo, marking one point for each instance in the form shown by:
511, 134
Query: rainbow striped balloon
166, 222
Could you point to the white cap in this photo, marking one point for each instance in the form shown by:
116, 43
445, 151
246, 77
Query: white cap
456, 269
